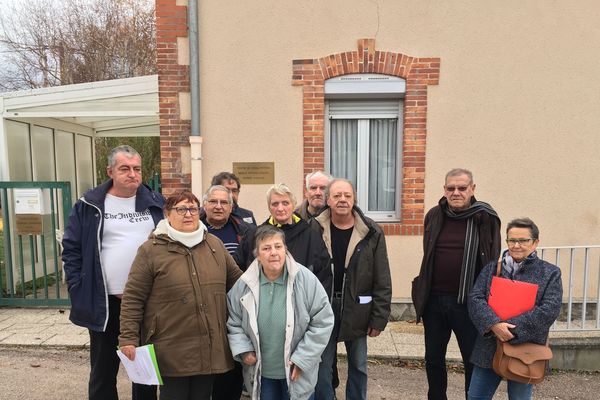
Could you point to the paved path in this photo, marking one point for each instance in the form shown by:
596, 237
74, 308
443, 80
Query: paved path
51, 327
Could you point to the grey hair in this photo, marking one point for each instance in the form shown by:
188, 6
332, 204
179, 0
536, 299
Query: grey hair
334, 180
215, 188
265, 232
525, 223
123, 149
317, 174
459, 171
283, 190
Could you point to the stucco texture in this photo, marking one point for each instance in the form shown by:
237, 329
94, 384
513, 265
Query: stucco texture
516, 102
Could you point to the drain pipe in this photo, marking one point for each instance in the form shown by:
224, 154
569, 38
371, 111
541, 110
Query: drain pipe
195, 136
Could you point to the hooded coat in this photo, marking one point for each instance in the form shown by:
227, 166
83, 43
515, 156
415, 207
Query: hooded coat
82, 244
308, 326
175, 298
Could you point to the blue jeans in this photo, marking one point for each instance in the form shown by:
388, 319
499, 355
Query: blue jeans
442, 316
356, 384
484, 383
273, 389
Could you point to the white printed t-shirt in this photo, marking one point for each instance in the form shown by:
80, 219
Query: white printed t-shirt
124, 231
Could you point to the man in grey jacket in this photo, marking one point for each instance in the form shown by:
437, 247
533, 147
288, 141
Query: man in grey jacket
362, 288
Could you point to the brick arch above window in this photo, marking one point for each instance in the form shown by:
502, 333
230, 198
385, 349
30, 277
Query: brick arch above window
418, 73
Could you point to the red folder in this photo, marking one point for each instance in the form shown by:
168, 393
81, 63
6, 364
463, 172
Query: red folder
510, 298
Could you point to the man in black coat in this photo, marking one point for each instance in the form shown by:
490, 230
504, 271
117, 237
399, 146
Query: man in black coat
462, 235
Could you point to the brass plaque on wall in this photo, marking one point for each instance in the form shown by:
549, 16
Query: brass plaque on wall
29, 224
255, 173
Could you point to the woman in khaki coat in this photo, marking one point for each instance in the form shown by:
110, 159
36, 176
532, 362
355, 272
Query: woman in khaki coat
175, 298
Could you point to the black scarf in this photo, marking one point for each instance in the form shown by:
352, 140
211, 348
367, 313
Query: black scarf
469, 262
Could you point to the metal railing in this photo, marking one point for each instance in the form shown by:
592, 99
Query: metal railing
155, 183
580, 268
31, 268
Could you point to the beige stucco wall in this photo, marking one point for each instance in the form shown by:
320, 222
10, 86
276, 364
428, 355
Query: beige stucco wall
517, 101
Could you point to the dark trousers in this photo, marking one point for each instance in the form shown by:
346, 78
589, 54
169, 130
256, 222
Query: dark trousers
104, 361
442, 316
197, 387
228, 386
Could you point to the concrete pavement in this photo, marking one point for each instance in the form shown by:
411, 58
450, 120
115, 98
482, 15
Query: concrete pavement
50, 327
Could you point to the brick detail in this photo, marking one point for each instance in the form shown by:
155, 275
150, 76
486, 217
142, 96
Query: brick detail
419, 73
171, 23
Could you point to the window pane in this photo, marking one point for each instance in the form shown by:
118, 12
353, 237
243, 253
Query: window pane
42, 145
344, 139
382, 164
85, 169
19, 159
65, 160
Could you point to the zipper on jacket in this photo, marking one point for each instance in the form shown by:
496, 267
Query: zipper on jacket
200, 308
100, 215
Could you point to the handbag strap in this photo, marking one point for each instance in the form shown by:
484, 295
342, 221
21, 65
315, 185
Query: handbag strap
499, 269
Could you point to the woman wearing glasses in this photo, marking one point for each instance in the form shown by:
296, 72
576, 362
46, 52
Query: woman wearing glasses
175, 298
520, 262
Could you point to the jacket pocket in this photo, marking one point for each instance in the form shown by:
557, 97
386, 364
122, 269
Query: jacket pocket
150, 331
175, 293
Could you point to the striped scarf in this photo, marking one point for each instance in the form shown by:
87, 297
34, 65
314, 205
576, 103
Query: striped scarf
469, 262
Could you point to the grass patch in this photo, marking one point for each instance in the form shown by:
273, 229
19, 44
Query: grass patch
39, 286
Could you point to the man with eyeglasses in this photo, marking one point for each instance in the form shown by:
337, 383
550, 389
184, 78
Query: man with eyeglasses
217, 217
232, 182
105, 229
461, 236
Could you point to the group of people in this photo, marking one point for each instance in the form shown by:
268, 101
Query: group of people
461, 249
228, 304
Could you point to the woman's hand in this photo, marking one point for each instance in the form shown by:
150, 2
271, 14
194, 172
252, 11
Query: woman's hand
129, 351
502, 331
249, 358
295, 372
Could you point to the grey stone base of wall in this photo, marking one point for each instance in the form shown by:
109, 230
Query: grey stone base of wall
575, 350
405, 311
402, 311
577, 353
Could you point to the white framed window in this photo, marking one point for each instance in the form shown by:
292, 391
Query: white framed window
364, 141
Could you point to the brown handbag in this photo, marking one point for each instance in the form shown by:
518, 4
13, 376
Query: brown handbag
525, 362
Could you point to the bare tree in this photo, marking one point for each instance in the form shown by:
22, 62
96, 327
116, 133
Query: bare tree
49, 43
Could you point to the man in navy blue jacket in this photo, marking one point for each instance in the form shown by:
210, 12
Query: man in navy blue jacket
232, 182
105, 229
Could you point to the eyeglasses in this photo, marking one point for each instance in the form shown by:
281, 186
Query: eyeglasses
215, 202
184, 210
521, 242
451, 189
